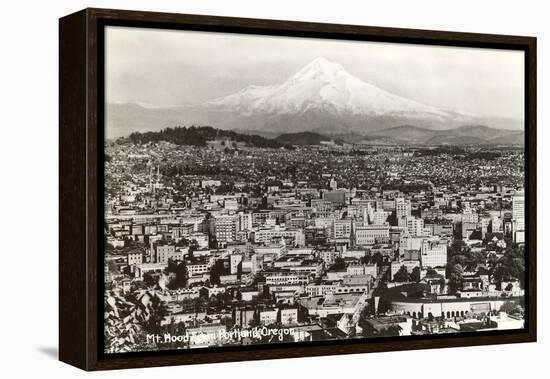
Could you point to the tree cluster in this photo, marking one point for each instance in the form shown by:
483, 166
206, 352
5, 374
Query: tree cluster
199, 135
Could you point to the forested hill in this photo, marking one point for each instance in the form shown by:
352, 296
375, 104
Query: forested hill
199, 135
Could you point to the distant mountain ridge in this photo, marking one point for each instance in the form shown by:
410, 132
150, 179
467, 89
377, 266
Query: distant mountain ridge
401, 135
464, 135
321, 97
413, 135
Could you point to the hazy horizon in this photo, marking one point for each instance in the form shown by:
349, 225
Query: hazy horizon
166, 68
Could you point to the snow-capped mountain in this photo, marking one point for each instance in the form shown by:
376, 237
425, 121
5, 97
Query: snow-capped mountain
324, 86
321, 97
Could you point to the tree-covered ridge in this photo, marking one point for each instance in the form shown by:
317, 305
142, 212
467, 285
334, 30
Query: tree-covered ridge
199, 135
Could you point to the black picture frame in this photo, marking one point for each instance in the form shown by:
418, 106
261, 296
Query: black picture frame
81, 103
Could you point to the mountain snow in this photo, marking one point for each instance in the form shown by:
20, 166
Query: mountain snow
325, 86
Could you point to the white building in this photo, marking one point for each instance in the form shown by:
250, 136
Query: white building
371, 234
245, 221
235, 262
380, 217
288, 316
433, 253
360, 269
341, 229
402, 210
415, 226
282, 277
268, 317
518, 216
268, 235
200, 238
166, 252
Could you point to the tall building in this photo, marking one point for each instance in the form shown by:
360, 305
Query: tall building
485, 222
402, 210
341, 229
167, 252
518, 210
235, 262
245, 221
414, 225
224, 228
518, 216
379, 217
497, 224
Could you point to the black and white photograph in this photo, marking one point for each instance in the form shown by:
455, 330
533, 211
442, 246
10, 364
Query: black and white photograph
267, 190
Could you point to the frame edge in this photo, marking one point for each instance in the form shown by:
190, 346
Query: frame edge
72, 191
78, 126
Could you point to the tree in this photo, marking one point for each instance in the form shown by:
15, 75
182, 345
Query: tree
430, 273
180, 271
455, 275
216, 271
365, 260
442, 283
415, 274
389, 331
511, 307
128, 320
153, 310
338, 265
182, 242
200, 304
510, 266
459, 259
377, 258
457, 247
402, 275
476, 257
150, 280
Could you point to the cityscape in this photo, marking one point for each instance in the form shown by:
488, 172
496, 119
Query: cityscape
323, 242
278, 231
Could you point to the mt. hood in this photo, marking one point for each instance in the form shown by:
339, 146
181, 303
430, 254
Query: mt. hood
321, 97
323, 86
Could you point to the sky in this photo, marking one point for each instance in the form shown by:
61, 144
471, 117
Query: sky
164, 68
